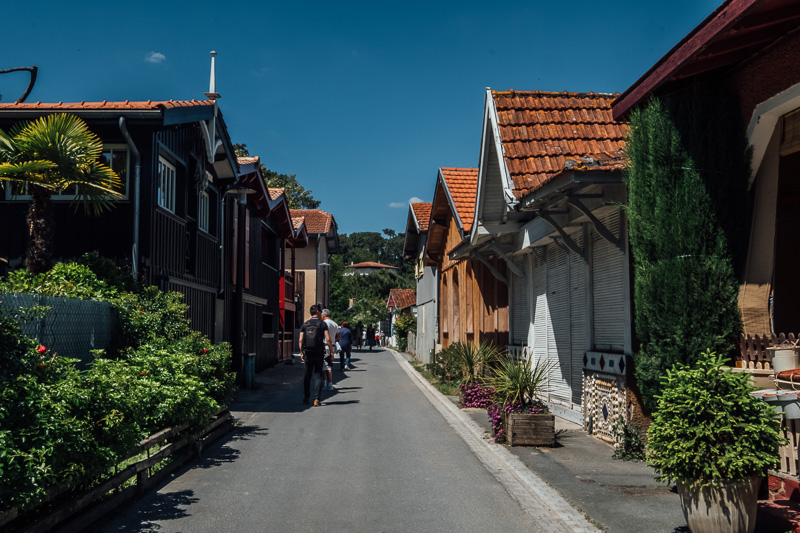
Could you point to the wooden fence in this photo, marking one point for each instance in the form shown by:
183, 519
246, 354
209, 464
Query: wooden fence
754, 352
83, 502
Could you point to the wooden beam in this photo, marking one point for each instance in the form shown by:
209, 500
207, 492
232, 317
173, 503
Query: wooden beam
603, 231
509, 263
572, 245
493, 270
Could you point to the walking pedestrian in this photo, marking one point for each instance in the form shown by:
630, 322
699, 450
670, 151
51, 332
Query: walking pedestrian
370, 337
333, 330
314, 336
345, 342
358, 334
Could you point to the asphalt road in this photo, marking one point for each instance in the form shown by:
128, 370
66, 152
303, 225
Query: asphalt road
376, 456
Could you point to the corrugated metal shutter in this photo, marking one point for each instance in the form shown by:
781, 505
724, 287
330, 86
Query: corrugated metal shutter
579, 329
520, 314
608, 264
558, 328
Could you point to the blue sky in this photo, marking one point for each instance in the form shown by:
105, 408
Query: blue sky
364, 101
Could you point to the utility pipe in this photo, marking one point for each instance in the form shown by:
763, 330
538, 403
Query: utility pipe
137, 171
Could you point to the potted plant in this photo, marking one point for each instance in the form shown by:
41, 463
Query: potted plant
525, 418
716, 440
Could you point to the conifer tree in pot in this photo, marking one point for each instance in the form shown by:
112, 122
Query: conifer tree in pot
716, 440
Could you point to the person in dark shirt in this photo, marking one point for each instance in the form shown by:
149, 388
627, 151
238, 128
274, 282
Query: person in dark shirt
313, 356
345, 345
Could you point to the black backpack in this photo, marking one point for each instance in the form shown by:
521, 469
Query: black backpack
314, 335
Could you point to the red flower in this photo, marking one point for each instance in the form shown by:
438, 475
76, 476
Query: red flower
41, 364
142, 310
205, 351
144, 373
41, 349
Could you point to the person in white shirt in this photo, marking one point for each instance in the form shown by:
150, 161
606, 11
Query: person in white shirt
333, 330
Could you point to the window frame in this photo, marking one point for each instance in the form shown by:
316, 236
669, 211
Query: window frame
166, 201
203, 211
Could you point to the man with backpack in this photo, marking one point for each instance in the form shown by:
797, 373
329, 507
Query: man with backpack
314, 337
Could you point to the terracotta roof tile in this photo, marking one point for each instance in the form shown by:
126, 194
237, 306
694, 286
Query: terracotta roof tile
545, 132
422, 212
104, 105
463, 186
274, 194
297, 222
317, 220
248, 160
401, 298
369, 264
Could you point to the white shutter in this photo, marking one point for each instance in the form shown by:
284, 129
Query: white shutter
559, 352
608, 264
579, 328
520, 314
541, 316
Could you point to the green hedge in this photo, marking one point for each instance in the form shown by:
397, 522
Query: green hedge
60, 424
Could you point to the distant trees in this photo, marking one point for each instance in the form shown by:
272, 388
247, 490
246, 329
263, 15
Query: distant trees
296, 194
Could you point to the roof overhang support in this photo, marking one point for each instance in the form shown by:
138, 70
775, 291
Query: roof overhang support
572, 245
493, 270
509, 263
603, 231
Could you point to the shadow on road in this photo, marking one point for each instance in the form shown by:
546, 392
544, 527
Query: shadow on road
166, 506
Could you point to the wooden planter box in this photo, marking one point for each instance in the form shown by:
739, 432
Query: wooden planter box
530, 430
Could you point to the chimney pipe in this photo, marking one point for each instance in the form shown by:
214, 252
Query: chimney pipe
212, 93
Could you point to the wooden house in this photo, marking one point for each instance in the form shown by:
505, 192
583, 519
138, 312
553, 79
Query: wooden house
751, 49
312, 261
549, 190
176, 161
427, 278
473, 294
261, 233
400, 302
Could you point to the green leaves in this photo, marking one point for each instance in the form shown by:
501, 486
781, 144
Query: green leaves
519, 382
708, 427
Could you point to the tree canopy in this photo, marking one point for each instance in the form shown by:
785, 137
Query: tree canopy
296, 194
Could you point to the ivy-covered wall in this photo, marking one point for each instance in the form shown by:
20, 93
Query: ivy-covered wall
688, 225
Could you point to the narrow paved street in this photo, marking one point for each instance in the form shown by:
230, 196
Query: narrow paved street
376, 456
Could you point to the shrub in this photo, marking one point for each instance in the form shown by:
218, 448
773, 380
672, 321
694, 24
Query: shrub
107, 270
151, 316
447, 365
404, 324
518, 382
68, 280
708, 428
474, 359
498, 412
629, 443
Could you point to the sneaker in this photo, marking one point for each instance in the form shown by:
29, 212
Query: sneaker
316, 403
347, 367
331, 387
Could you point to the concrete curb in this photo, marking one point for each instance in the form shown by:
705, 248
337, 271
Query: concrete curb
535, 496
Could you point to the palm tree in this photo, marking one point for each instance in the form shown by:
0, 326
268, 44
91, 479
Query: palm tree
53, 154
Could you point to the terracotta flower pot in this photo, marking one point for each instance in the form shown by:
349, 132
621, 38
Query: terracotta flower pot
730, 508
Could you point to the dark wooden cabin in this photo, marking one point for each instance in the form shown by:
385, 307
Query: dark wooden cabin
176, 160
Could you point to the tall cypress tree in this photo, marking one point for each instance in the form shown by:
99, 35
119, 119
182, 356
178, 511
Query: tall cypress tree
685, 288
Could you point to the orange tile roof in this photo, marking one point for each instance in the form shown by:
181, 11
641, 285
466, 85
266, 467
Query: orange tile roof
369, 264
401, 298
463, 186
104, 105
274, 194
317, 220
248, 160
422, 212
542, 131
297, 222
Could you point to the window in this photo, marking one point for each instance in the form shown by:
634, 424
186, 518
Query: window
114, 156
202, 211
267, 324
166, 185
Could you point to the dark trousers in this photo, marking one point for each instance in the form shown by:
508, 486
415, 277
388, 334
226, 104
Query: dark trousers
313, 366
344, 352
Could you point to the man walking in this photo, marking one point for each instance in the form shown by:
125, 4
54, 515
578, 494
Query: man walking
314, 337
333, 330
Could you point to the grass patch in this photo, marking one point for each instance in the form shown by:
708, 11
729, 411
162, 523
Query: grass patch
445, 387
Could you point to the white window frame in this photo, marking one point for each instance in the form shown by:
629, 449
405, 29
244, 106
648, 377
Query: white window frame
167, 176
60, 197
203, 205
